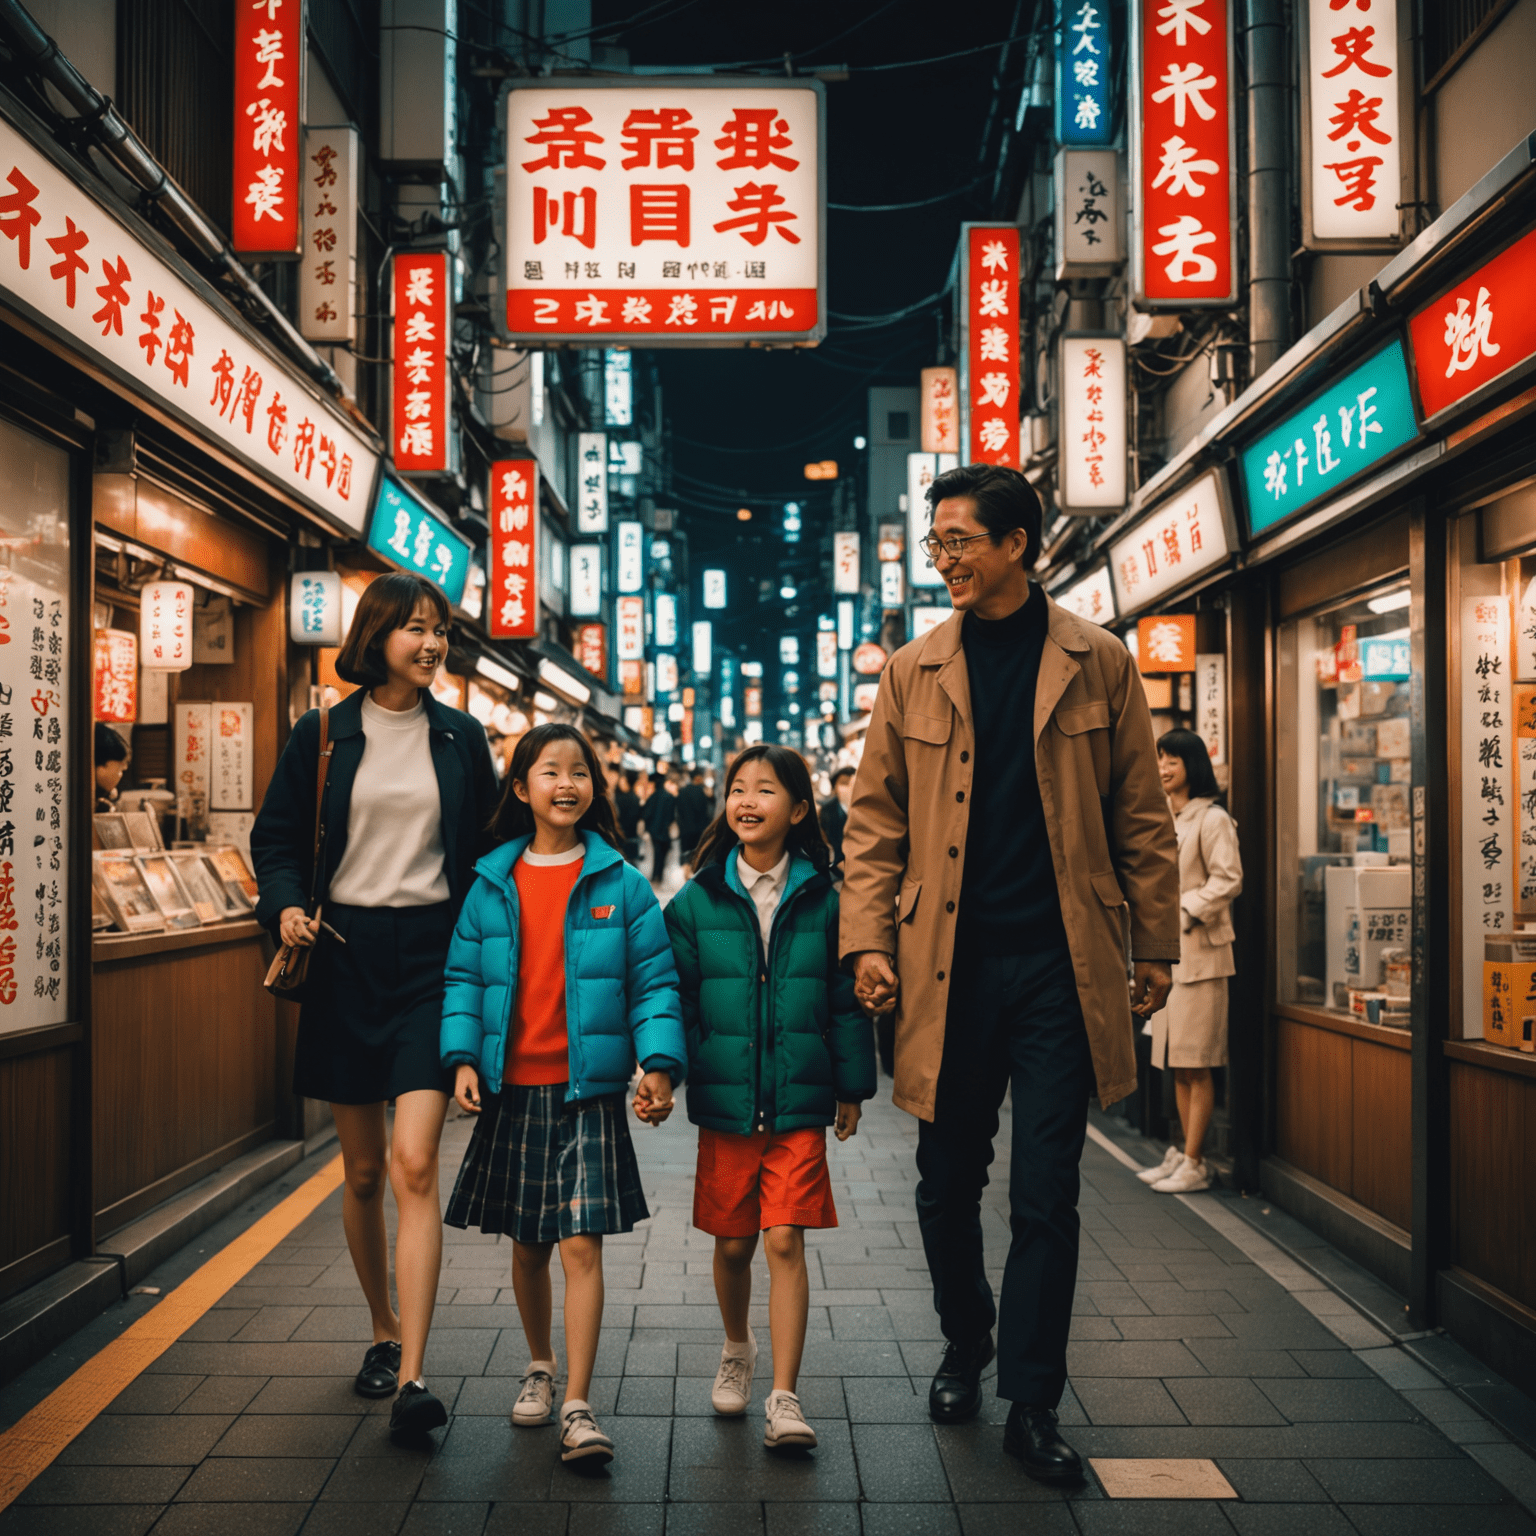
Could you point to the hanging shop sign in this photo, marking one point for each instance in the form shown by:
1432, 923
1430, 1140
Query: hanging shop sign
1093, 427
892, 590
1211, 705
630, 623
314, 608
752, 702
891, 538
1480, 333
35, 766
165, 625
939, 416
592, 648
703, 647
512, 582
845, 624
989, 343
826, 653
1091, 598
1184, 537
270, 46
1337, 435
926, 618
922, 470
1084, 70
193, 750
666, 672
685, 211
1090, 241
869, 659
714, 589
864, 696
632, 678
1489, 773
629, 558
328, 266
845, 562
70, 265
115, 676
592, 482
1165, 642
586, 580
417, 537
231, 743
1183, 155
666, 619
420, 378
1351, 170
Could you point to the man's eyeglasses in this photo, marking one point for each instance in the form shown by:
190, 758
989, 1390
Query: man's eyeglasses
954, 547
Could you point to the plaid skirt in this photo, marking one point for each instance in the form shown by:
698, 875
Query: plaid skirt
539, 1169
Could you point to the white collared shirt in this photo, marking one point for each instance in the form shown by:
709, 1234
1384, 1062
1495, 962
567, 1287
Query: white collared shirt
766, 888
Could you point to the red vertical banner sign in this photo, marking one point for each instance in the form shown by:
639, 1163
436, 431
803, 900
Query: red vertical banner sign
269, 76
512, 606
420, 436
1183, 155
990, 347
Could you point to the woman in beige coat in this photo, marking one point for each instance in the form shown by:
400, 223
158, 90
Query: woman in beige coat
1189, 1036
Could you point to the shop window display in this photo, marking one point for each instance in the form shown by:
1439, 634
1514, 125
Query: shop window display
1345, 773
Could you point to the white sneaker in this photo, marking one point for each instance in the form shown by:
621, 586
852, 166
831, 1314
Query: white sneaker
786, 1423
536, 1397
733, 1381
1171, 1160
1188, 1177
580, 1438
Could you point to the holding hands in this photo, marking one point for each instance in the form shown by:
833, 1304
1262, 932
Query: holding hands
874, 982
653, 1098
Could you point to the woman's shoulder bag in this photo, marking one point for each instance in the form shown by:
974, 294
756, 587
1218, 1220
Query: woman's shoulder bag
289, 971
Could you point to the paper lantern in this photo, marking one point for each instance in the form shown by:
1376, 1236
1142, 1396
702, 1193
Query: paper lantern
165, 626
314, 608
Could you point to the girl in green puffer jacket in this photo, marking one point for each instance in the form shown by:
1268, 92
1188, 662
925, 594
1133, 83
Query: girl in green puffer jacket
778, 1051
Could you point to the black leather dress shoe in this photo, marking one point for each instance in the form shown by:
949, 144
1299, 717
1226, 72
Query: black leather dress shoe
1031, 1435
416, 1411
955, 1394
380, 1375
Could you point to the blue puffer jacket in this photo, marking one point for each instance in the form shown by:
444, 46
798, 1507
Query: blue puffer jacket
620, 980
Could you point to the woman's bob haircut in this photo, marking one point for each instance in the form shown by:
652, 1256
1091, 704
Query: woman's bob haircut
1190, 749
386, 605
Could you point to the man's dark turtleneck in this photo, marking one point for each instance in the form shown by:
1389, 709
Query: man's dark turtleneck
1010, 904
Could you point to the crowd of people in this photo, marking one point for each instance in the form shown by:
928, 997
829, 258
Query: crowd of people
997, 894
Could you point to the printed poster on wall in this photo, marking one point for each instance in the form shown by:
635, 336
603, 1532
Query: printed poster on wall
1211, 704
230, 756
1489, 780
34, 769
1525, 763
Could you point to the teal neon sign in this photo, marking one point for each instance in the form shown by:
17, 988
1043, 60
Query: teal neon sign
1353, 424
409, 534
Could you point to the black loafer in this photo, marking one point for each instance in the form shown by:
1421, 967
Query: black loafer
1032, 1437
955, 1394
415, 1412
380, 1375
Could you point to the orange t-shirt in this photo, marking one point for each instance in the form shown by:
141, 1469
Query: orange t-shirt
538, 1051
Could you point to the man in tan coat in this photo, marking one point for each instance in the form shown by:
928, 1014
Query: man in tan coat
1012, 890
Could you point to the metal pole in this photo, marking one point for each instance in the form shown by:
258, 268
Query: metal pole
1269, 208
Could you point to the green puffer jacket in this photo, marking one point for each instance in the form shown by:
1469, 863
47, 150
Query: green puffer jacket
775, 1041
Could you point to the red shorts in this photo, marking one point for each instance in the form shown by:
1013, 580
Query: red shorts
746, 1184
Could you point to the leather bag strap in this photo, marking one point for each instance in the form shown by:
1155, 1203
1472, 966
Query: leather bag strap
321, 774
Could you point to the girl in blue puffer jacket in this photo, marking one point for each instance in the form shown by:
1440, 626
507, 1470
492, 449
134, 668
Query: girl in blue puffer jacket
560, 977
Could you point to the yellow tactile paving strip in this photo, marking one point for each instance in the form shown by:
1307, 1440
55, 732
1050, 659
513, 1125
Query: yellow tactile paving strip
31, 1444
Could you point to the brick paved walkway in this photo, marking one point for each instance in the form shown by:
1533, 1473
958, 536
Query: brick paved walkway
1183, 1347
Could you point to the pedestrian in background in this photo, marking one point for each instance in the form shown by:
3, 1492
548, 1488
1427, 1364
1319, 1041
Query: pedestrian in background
695, 810
542, 1040
778, 1051
834, 813
408, 793
626, 805
660, 814
111, 764
990, 902
1189, 1035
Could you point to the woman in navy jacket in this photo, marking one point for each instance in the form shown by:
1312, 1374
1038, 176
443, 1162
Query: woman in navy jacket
409, 792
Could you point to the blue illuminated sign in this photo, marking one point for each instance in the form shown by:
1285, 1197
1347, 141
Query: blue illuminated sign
408, 533
1386, 659
1346, 428
1082, 73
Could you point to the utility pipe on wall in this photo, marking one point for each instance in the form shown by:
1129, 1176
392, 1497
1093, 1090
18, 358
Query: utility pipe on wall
1269, 204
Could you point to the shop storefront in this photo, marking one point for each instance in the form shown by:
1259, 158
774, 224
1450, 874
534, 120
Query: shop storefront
161, 468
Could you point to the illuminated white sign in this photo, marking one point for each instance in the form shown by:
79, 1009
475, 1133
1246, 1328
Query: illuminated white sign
922, 470
630, 575
1093, 435
666, 672
586, 580
845, 625
714, 589
845, 562
592, 482
703, 647
1092, 598
826, 653
1185, 536
666, 619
